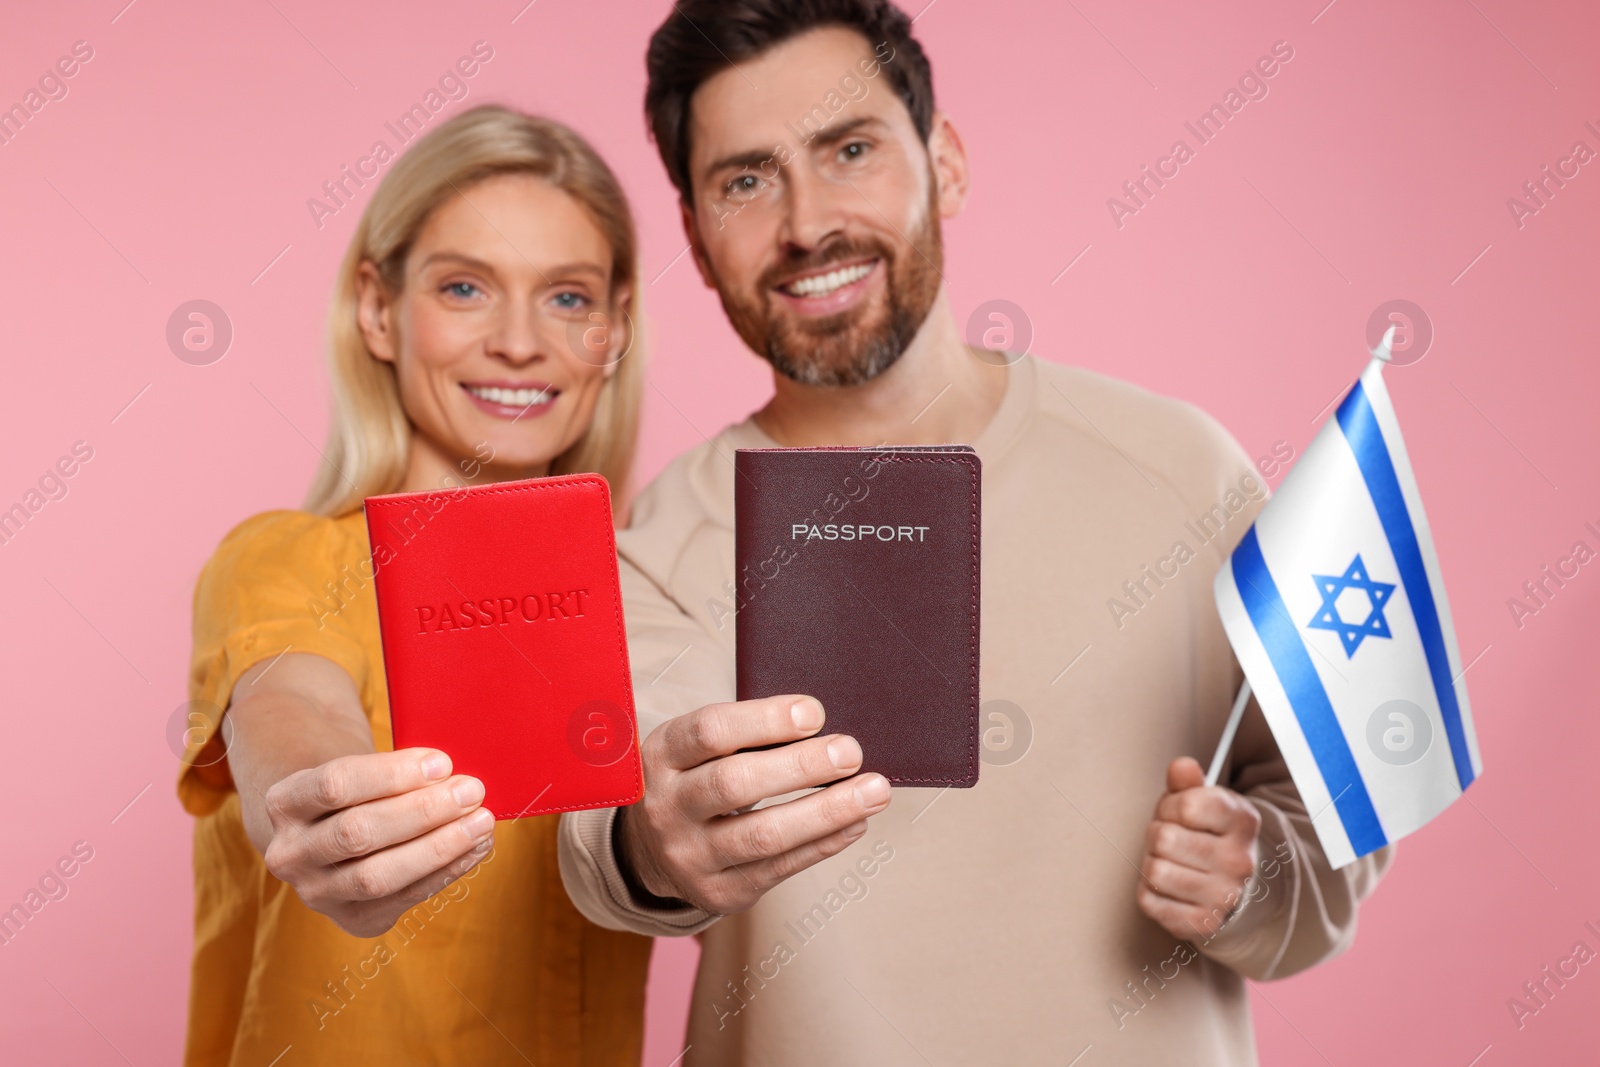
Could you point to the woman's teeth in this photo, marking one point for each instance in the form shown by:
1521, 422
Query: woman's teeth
517, 398
823, 284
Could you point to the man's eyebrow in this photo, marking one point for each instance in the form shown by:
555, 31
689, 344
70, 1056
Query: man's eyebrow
831, 135
739, 161
828, 136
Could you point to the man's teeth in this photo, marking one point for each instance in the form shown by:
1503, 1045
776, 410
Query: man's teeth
823, 284
517, 398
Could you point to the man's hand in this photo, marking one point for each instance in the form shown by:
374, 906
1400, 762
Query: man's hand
363, 838
687, 839
1199, 853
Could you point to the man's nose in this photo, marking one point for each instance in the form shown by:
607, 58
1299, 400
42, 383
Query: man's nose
816, 208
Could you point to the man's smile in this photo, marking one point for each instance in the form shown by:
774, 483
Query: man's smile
832, 289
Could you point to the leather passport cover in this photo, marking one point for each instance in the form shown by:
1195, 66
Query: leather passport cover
858, 583
503, 639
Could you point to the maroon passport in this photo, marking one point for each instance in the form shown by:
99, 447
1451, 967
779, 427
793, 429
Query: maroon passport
858, 584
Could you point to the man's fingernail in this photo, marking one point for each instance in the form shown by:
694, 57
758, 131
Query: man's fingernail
844, 752
479, 822
856, 830
467, 792
435, 765
873, 792
807, 715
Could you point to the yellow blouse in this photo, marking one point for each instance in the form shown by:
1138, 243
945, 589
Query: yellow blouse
499, 968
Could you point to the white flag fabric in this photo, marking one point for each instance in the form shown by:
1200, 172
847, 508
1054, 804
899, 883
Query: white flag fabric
1334, 604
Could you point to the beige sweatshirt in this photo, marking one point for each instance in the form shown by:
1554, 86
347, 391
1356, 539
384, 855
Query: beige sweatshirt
998, 924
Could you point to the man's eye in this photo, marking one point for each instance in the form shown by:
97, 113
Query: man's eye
853, 150
744, 183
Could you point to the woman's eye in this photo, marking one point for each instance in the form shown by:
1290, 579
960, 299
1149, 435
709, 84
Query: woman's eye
463, 290
569, 301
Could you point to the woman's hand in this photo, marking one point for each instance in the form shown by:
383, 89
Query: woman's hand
362, 836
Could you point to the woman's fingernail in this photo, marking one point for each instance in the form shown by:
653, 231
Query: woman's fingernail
467, 792
483, 846
435, 765
479, 822
856, 830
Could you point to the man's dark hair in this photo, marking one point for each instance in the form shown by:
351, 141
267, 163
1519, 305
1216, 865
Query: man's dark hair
702, 38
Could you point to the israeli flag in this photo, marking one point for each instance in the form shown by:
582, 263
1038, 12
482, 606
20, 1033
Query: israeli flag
1334, 604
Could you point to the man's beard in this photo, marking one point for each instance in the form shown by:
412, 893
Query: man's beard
860, 343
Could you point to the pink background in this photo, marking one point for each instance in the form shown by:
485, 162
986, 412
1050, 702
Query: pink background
1379, 166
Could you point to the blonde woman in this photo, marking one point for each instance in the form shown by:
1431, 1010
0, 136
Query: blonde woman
355, 904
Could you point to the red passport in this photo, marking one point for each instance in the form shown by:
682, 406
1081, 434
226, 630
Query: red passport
503, 639
858, 583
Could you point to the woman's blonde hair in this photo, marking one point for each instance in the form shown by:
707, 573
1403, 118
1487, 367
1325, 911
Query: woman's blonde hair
370, 437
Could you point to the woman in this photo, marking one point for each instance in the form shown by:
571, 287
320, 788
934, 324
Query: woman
356, 905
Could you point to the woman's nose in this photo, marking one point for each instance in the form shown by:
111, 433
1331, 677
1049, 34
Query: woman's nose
515, 337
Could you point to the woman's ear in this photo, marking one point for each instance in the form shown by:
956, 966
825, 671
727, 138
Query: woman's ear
621, 341
375, 312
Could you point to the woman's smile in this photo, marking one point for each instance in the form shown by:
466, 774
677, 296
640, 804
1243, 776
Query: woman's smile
511, 400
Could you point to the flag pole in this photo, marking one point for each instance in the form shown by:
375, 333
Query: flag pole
1382, 352
1228, 731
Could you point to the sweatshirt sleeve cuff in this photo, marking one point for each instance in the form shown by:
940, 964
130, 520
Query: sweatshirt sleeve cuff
597, 887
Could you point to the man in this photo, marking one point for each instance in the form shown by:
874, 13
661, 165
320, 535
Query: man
1046, 910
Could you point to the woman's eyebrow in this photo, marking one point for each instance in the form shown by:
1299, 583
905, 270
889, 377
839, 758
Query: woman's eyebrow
577, 267
455, 257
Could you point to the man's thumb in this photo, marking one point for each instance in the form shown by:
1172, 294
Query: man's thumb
1184, 773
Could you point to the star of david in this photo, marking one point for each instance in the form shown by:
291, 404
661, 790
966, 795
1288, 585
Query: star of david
1351, 634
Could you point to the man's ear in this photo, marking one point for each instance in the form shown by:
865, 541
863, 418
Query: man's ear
696, 249
375, 312
947, 157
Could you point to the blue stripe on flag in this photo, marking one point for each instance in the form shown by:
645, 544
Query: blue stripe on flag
1360, 428
1307, 696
